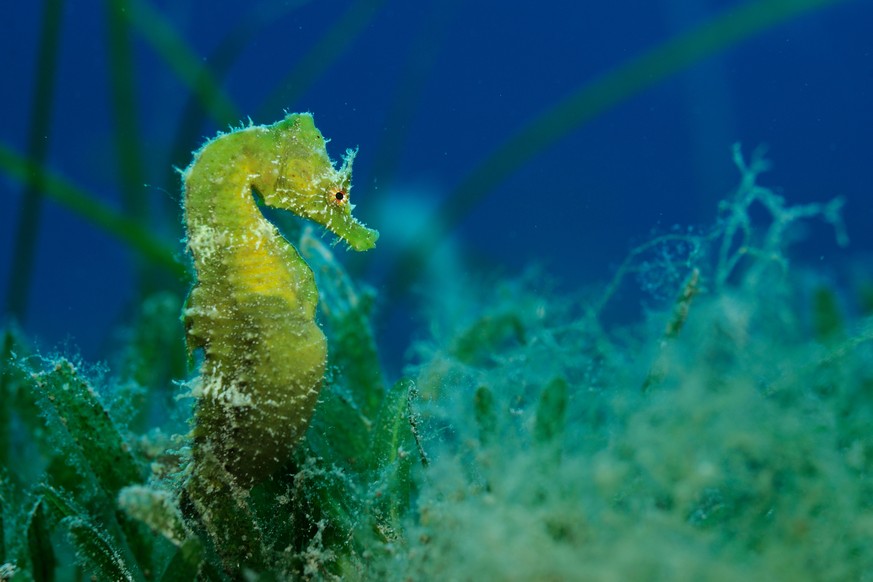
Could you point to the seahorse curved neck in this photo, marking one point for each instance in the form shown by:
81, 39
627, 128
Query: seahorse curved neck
230, 239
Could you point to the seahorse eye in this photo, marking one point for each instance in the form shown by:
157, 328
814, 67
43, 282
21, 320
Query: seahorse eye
340, 196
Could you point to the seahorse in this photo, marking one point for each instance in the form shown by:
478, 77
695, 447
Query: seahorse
252, 309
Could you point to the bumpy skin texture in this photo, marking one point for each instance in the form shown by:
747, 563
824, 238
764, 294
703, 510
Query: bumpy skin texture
252, 310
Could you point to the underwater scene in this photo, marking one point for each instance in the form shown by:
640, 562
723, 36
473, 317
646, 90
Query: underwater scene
439, 290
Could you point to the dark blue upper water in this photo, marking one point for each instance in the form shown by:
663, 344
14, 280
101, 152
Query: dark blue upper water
427, 90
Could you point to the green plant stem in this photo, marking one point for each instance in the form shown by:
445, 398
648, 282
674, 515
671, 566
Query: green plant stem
159, 33
405, 100
121, 227
320, 57
24, 247
123, 91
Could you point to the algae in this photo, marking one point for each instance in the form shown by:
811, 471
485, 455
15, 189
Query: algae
722, 436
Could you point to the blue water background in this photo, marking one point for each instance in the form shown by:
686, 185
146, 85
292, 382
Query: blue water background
659, 159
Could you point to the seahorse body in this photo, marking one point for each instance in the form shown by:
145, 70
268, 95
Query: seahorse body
252, 310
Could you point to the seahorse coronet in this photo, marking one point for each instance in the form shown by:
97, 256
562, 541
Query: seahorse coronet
252, 308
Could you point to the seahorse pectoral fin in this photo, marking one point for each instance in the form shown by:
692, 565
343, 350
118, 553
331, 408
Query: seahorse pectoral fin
192, 342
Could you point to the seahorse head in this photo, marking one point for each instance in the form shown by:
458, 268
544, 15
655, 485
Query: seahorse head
309, 184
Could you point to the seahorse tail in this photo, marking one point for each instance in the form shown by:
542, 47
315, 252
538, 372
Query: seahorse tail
257, 394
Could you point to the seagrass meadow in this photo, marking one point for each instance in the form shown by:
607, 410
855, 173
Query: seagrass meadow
373, 290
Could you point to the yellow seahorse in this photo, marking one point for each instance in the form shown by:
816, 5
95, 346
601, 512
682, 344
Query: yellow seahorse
252, 309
